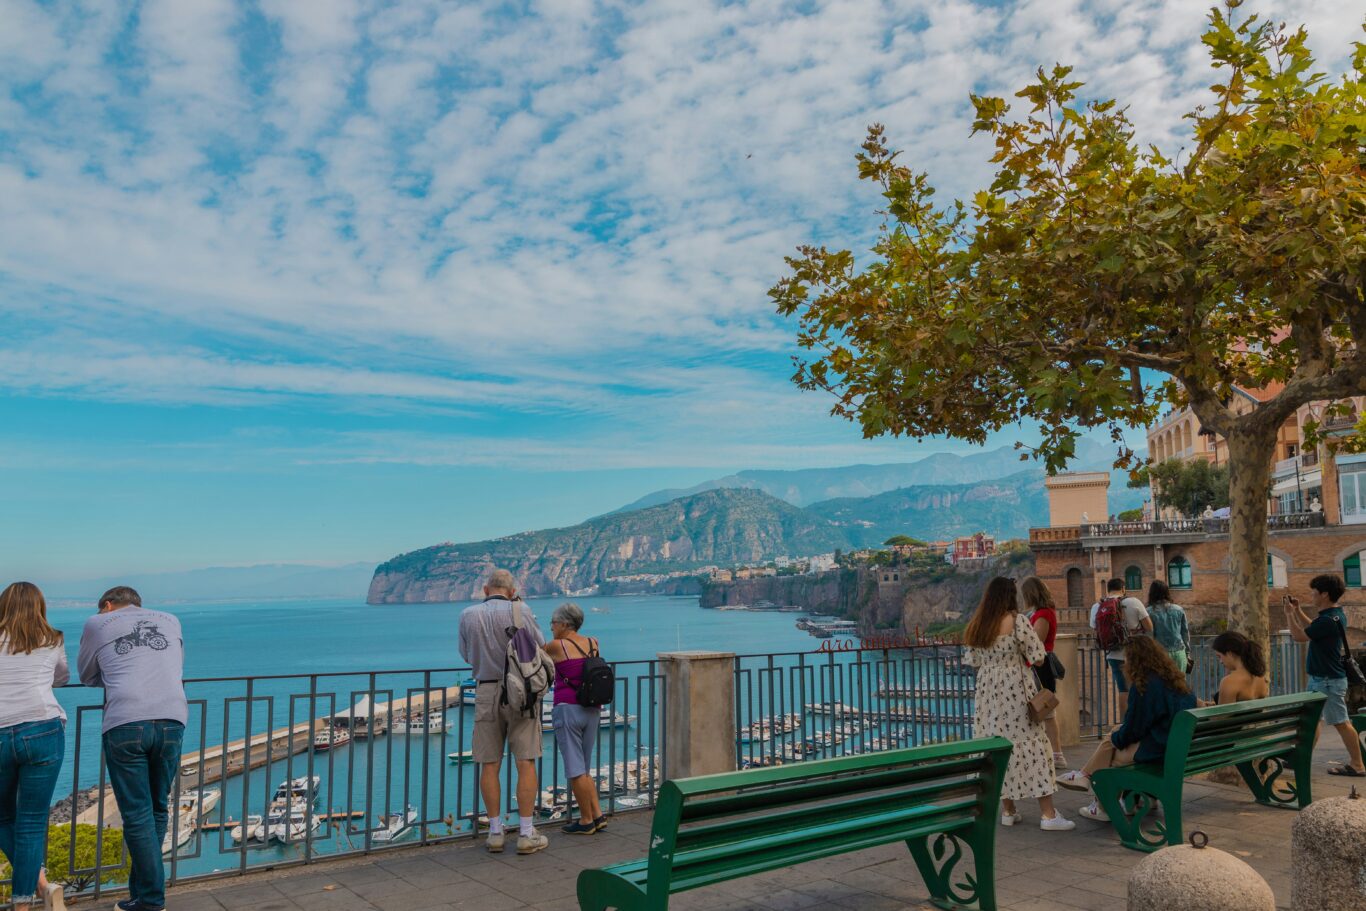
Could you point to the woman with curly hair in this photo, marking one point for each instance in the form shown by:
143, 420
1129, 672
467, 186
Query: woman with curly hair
1157, 693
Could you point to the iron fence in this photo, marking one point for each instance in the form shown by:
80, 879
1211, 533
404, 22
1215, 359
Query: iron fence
282, 770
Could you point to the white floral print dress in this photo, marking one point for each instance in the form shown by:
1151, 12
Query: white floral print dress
1004, 687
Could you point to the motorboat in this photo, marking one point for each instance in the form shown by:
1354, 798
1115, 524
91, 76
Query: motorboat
430, 723
302, 788
396, 825
461, 757
292, 822
191, 806
329, 738
253, 830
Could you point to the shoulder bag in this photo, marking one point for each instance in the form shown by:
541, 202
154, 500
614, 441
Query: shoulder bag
1042, 703
1349, 664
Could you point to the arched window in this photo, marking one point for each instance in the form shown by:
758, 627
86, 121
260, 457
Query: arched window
1179, 572
1133, 578
1074, 594
1351, 570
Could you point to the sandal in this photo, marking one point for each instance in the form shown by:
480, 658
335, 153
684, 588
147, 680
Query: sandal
1346, 771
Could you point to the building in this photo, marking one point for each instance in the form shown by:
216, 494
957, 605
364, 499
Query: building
1317, 516
972, 547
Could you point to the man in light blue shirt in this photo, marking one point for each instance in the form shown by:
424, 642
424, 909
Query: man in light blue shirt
138, 656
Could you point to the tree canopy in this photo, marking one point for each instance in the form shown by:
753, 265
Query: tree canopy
1190, 486
1099, 280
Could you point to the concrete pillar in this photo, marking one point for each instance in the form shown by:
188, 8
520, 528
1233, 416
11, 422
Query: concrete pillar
1068, 712
1328, 855
699, 705
1197, 879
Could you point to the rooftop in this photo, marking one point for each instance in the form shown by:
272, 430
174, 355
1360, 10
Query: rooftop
1036, 871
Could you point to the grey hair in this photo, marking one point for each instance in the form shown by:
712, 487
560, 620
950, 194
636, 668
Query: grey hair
501, 580
569, 614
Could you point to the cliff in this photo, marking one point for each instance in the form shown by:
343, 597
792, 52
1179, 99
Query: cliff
720, 527
836, 592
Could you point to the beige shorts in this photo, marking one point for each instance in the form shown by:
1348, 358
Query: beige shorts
496, 724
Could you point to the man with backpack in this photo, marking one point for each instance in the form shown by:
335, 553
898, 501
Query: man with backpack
1327, 664
502, 643
1115, 619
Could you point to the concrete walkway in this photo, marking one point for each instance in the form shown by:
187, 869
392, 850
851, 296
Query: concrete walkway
1036, 870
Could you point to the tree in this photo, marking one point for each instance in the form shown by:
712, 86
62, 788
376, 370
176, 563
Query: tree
113, 861
903, 541
1190, 486
1131, 515
1097, 281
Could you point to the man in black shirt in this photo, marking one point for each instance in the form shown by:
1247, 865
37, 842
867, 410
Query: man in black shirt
1324, 665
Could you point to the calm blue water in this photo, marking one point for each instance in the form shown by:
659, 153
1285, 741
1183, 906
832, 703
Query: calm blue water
341, 648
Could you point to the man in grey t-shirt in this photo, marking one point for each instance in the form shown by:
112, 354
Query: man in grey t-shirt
1136, 623
138, 656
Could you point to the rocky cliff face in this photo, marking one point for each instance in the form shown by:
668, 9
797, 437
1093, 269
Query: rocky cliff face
839, 592
723, 527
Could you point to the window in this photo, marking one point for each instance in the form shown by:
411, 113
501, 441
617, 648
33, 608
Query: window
1133, 578
1352, 488
1351, 570
1074, 593
1179, 573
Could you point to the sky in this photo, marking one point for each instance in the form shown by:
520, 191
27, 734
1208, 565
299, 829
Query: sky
305, 281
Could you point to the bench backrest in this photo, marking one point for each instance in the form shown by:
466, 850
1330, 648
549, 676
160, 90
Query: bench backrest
715, 827
1222, 735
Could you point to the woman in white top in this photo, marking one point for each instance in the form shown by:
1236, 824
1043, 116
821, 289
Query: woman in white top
32, 739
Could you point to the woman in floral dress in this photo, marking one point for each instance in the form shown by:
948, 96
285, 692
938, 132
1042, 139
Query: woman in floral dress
1004, 650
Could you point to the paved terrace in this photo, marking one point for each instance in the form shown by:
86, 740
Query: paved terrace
1036, 871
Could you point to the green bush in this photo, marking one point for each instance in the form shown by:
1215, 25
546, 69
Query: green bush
114, 863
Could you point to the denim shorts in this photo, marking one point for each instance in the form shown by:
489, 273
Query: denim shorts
1335, 707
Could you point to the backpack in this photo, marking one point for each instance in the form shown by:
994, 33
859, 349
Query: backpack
1111, 633
527, 670
597, 683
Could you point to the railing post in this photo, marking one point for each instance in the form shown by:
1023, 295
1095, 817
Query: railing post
699, 692
1068, 712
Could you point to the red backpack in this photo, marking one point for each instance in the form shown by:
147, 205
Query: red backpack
1111, 633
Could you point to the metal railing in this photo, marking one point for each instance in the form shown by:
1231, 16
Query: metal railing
254, 790
1197, 526
1099, 696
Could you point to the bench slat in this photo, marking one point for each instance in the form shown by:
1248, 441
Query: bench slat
731, 831
836, 782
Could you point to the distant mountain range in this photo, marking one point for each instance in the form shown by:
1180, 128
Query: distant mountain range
805, 486
724, 527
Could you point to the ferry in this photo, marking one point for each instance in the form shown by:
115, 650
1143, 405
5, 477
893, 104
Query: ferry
432, 723
330, 737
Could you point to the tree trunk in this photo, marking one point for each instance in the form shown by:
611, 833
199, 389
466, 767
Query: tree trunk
1250, 454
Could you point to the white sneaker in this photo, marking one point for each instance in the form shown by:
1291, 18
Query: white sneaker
1075, 781
53, 899
495, 842
1058, 823
1094, 811
1010, 819
1059, 760
530, 844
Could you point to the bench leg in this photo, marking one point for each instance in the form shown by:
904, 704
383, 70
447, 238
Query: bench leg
1263, 778
937, 856
599, 891
1134, 816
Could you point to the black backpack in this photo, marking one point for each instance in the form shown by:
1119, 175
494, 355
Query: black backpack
598, 683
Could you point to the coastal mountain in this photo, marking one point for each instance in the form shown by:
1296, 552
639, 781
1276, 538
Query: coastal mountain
721, 527
803, 487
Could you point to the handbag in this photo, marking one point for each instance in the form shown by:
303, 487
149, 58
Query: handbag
1055, 666
1042, 703
1349, 664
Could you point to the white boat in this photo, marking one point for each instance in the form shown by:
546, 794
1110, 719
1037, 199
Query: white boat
464, 756
292, 823
254, 830
192, 806
432, 723
396, 825
600, 610
834, 708
301, 788
606, 718
329, 738
183, 833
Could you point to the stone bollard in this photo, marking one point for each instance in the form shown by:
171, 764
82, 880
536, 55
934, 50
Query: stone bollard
1328, 856
1197, 878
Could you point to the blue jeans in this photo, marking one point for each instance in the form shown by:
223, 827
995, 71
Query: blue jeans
30, 761
142, 758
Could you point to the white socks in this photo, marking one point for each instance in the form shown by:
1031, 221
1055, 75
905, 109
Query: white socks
526, 825
495, 825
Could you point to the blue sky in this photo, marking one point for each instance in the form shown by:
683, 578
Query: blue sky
325, 281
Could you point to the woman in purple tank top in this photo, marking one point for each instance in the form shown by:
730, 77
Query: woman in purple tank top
576, 726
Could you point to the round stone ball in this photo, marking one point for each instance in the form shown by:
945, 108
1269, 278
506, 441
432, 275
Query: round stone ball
1197, 879
1328, 856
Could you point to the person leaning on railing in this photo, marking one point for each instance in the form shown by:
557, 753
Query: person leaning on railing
32, 739
576, 726
1158, 692
1170, 626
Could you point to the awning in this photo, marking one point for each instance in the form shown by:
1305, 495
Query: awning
1306, 481
362, 709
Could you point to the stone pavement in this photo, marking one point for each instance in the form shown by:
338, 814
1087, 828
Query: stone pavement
1036, 870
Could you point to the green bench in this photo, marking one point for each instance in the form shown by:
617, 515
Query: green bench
938, 799
1261, 737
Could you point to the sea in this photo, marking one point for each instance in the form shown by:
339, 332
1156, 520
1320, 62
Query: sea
265, 665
